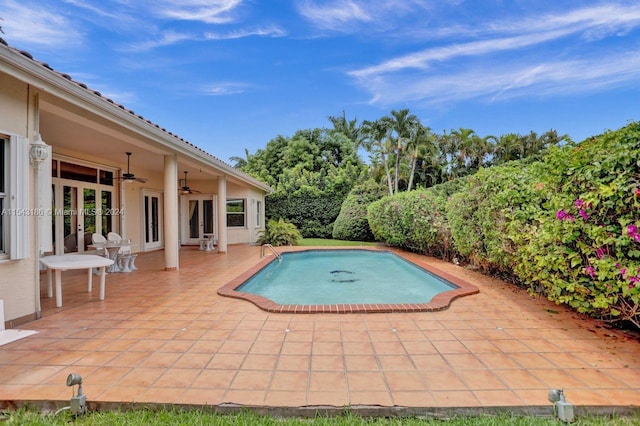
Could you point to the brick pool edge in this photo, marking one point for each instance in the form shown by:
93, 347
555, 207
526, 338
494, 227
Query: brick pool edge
439, 302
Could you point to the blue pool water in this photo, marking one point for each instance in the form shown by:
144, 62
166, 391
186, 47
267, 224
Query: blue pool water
323, 277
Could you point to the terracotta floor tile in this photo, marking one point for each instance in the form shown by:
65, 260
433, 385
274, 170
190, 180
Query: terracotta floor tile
429, 362
464, 362
260, 362
357, 347
326, 381
293, 362
160, 359
225, 361
141, 377
297, 381
252, 380
366, 381
267, 348
278, 398
296, 348
404, 381
164, 337
327, 363
455, 399
481, 380
369, 398
519, 379
497, 398
361, 363
327, 348
213, 379
396, 363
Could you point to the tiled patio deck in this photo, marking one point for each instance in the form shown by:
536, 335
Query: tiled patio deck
167, 337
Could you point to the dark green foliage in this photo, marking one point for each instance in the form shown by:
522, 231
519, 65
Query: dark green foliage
351, 223
280, 233
565, 226
311, 212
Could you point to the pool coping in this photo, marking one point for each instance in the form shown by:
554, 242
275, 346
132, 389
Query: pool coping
439, 302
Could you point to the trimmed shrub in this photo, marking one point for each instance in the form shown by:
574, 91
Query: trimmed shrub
351, 224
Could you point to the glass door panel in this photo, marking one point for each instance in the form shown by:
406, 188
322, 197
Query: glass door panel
88, 214
194, 219
70, 213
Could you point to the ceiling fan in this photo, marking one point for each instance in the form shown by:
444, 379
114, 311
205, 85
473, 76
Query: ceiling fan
130, 177
185, 188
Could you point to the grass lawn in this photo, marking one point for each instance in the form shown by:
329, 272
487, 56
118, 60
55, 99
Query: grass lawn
194, 417
328, 242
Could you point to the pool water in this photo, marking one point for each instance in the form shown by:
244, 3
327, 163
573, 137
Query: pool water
323, 277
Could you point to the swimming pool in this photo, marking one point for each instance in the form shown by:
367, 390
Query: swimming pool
346, 280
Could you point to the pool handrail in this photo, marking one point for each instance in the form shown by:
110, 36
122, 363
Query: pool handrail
275, 252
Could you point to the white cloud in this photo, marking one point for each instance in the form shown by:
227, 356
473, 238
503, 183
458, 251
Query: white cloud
272, 31
225, 88
493, 83
509, 61
334, 15
166, 38
28, 26
208, 11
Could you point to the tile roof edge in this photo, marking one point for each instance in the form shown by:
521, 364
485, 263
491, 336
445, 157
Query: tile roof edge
144, 121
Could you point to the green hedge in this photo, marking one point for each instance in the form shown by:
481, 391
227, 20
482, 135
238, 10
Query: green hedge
311, 212
565, 226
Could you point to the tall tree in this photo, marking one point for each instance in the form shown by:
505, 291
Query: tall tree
376, 141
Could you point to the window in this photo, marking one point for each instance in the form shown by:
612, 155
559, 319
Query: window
14, 197
258, 210
235, 213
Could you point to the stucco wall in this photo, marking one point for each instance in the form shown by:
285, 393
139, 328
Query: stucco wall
17, 277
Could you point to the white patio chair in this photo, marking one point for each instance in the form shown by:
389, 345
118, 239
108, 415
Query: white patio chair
126, 260
99, 239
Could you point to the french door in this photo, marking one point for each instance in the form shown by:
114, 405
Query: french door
81, 210
152, 201
198, 218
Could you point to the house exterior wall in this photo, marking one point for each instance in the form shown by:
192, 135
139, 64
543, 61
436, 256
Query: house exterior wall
249, 233
18, 277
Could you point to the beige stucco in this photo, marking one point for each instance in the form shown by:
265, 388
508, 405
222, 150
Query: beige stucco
83, 128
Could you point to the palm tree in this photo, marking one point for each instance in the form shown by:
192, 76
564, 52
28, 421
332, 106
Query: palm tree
375, 141
403, 126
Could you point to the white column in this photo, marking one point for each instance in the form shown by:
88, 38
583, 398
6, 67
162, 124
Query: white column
222, 214
171, 243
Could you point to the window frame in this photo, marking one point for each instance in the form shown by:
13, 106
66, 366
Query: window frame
243, 213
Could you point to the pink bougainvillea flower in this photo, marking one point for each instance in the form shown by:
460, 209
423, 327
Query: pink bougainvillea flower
638, 192
561, 214
579, 203
590, 270
623, 271
632, 230
600, 253
584, 214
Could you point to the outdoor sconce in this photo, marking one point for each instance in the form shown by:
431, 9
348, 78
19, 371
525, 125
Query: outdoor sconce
38, 151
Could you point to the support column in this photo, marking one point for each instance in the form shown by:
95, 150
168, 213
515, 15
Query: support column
171, 242
222, 214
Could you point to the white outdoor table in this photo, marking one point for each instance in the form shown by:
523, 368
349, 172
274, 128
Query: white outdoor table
63, 262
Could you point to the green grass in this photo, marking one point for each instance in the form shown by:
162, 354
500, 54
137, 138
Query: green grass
196, 417
328, 242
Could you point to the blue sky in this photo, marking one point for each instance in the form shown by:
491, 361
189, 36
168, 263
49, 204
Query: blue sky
232, 74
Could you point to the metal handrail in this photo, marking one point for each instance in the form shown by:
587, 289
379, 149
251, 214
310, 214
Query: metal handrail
273, 250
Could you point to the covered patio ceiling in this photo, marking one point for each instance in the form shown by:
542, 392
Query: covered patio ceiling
78, 133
